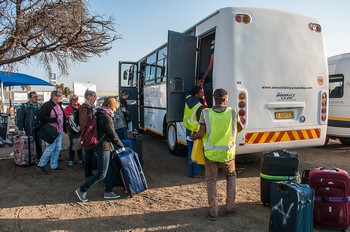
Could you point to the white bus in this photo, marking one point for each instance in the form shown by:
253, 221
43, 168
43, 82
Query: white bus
272, 63
339, 98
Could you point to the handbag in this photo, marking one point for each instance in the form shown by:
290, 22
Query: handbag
77, 144
48, 133
197, 154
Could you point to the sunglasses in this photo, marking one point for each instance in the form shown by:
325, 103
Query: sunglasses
58, 95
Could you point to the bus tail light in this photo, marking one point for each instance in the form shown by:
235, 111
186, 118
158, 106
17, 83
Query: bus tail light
323, 104
243, 18
242, 106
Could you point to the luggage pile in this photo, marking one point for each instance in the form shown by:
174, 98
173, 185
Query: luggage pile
323, 197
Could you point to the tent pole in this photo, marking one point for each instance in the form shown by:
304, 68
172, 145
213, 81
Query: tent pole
2, 98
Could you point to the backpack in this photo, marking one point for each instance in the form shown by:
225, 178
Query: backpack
89, 137
72, 123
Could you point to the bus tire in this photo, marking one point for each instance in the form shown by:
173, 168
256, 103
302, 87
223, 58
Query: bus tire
344, 141
171, 136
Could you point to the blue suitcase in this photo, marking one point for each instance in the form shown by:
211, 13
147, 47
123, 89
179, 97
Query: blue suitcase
132, 174
291, 207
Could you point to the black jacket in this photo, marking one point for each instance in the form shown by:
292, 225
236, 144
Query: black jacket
123, 102
27, 120
45, 112
105, 127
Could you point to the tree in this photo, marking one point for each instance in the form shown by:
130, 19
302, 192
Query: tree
52, 31
25, 87
66, 91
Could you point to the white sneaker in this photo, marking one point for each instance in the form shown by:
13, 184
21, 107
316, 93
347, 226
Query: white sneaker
111, 195
81, 195
70, 163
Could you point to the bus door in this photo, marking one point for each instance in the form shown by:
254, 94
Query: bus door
128, 80
181, 73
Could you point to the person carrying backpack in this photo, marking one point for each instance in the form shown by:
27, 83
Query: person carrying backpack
73, 108
106, 138
87, 108
28, 122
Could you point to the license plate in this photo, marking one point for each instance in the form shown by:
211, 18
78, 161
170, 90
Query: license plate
284, 115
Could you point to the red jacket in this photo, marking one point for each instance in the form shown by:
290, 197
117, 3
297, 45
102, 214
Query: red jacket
69, 109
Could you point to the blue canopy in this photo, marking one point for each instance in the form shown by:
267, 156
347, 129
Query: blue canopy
19, 79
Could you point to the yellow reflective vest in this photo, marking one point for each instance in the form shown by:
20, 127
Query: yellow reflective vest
219, 137
189, 120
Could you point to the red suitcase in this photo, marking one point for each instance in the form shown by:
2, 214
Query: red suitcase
332, 197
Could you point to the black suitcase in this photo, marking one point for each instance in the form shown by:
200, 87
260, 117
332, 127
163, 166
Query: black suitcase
291, 207
137, 145
277, 166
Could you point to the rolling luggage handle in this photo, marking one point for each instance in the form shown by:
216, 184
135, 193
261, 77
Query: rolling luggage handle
283, 188
332, 199
279, 178
330, 169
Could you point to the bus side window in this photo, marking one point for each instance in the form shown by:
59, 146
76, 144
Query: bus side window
150, 74
336, 86
161, 65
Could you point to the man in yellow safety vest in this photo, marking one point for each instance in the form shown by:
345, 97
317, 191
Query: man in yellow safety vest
218, 128
192, 112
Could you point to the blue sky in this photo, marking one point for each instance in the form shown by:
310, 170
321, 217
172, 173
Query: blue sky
144, 25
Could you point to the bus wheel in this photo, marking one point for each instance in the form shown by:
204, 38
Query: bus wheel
171, 136
345, 141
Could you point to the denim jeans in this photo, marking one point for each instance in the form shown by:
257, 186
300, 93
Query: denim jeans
88, 162
52, 150
194, 168
38, 145
122, 133
71, 152
112, 174
103, 158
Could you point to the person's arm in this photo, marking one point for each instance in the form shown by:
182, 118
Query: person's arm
45, 112
21, 118
199, 112
83, 111
200, 133
202, 128
239, 124
126, 112
209, 68
110, 132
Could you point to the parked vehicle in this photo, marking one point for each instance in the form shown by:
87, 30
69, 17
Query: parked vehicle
272, 63
339, 98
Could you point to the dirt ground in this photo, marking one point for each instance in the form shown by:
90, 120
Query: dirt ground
30, 201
